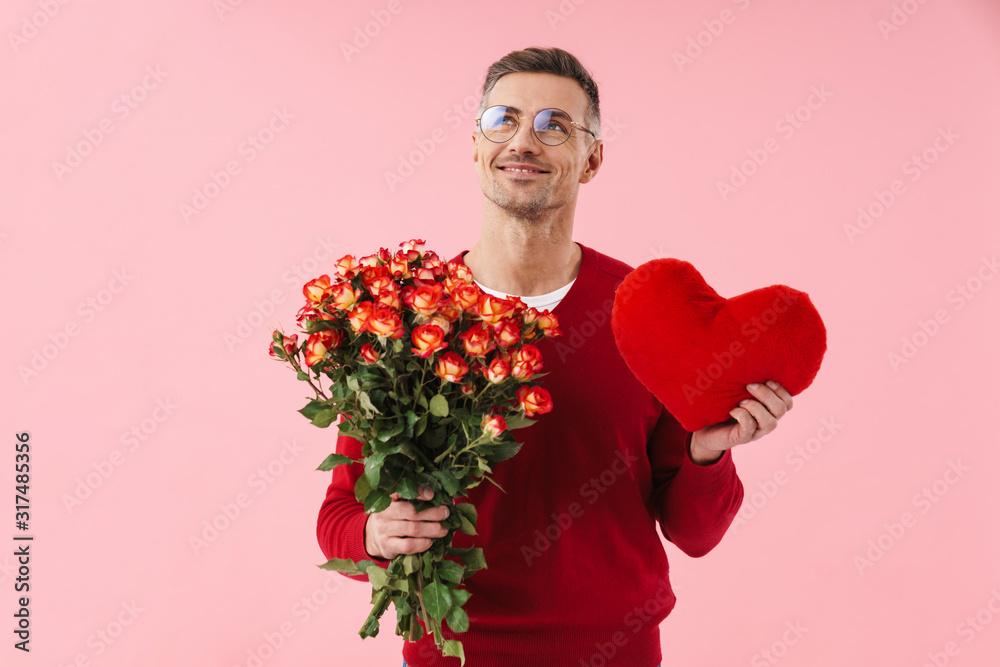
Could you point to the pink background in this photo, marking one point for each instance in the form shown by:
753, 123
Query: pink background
188, 320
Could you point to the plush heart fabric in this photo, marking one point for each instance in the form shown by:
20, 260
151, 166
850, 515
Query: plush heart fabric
696, 351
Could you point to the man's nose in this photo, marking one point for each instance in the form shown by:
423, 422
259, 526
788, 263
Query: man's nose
524, 140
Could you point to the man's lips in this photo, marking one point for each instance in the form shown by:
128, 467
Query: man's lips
526, 169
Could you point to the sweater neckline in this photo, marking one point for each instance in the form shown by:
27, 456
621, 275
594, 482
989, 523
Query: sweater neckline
570, 303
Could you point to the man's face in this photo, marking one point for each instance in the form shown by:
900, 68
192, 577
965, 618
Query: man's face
563, 167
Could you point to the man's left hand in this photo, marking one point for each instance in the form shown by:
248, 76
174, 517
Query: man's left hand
754, 419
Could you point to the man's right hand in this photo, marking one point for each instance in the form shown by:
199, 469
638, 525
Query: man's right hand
399, 529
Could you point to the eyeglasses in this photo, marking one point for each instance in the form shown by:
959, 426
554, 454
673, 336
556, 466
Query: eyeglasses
551, 126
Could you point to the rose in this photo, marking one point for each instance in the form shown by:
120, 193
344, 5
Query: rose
347, 267
358, 316
425, 299
466, 297
450, 367
534, 400
494, 425
369, 354
428, 339
497, 371
344, 296
319, 343
317, 289
282, 346
477, 340
385, 322
492, 309
527, 362
507, 332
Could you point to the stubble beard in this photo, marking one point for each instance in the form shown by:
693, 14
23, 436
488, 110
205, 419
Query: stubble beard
518, 202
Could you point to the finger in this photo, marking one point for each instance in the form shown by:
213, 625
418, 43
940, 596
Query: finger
747, 424
766, 422
782, 393
439, 513
767, 396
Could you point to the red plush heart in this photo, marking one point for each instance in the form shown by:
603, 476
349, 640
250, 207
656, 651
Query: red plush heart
696, 351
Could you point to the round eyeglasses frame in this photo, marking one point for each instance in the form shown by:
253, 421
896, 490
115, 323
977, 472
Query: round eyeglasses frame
572, 123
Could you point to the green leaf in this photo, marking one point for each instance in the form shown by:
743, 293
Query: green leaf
376, 502
302, 375
373, 468
503, 451
460, 596
454, 649
422, 401
451, 571
474, 560
448, 481
362, 488
377, 576
411, 562
518, 420
439, 405
458, 620
468, 515
344, 565
324, 418
407, 488
366, 402
437, 600
313, 407
334, 460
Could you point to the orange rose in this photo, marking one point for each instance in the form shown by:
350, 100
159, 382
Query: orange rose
320, 343
497, 371
549, 324
425, 300
527, 362
369, 354
534, 400
306, 313
507, 332
376, 285
466, 296
412, 244
494, 425
389, 297
359, 315
492, 309
370, 273
286, 344
347, 267
317, 289
477, 340
428, 339
385, 322
459, 271
344, 296
399, 268
450, 367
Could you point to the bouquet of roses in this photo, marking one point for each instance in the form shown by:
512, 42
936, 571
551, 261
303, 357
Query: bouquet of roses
431, 374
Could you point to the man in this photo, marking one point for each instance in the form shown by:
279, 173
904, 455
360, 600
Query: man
576, 572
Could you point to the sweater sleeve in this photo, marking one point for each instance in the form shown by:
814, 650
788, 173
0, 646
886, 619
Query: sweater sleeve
340, 528
695, 503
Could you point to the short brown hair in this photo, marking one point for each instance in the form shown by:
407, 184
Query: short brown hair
550, 61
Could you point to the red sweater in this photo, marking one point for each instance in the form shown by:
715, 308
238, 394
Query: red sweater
577, 574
